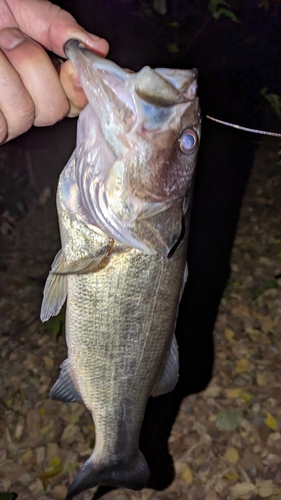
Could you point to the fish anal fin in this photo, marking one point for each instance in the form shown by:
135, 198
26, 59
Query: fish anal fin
64, 389
54, 291
169, 376
133, 474
184, 280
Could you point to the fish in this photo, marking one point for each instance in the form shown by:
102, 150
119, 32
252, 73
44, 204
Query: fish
123, 204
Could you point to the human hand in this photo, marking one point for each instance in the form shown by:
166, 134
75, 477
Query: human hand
32, 90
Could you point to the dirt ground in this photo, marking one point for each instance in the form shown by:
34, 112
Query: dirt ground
226, 441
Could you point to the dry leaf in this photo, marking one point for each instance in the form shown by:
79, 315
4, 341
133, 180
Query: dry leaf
52, 450
239, 393
233, 393
261, 379
231, 475
228, 419
266, 489
33, 423
265, 261
232, 454
229, 334
19, 430
49, 362
187, 475
267, 324
241, 311
211, 495
265, 339
55, 461
277, 493
60, 491
212, 391
25, 479
246, 396
242, 490
27, 455
253, 334
49, 473
271, 422
70, 434
242, 365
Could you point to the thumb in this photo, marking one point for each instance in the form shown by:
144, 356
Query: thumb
52, 26
72, 88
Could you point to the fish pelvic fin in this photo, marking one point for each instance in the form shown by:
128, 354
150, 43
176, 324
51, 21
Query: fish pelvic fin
55, 290
133, 475
64, 389
170, 374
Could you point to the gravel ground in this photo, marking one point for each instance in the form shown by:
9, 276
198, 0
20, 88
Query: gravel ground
226, 441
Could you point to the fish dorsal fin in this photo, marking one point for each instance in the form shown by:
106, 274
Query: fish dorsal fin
64, 389
170, 374
54, 290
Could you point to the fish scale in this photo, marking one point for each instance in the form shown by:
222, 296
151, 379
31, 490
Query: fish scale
123, 204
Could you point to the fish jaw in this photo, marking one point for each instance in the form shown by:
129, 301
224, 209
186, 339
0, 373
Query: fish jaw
142, 118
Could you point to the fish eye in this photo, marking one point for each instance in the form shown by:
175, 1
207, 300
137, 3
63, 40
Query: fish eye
188, 142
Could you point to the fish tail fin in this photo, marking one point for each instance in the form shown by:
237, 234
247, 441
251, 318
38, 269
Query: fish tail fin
133, 474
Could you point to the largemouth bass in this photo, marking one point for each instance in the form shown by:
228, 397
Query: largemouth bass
123, 203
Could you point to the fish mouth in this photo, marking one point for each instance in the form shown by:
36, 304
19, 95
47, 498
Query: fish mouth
154, 86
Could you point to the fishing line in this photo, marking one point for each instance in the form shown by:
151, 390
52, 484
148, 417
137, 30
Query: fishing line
246, 129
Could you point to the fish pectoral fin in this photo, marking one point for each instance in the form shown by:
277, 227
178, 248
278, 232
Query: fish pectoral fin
83, 266
134, 475
64, 389
54, 291
169, 377
87, 264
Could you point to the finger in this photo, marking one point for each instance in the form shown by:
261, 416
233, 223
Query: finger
72, 88
38, 76
7, 19
3, 128
52, 26
17, 108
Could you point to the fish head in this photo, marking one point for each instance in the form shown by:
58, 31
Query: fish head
137, 142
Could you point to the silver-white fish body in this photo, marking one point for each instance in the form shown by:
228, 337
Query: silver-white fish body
123, 203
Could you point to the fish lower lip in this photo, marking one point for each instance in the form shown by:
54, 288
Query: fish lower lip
72, 43
76, 45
